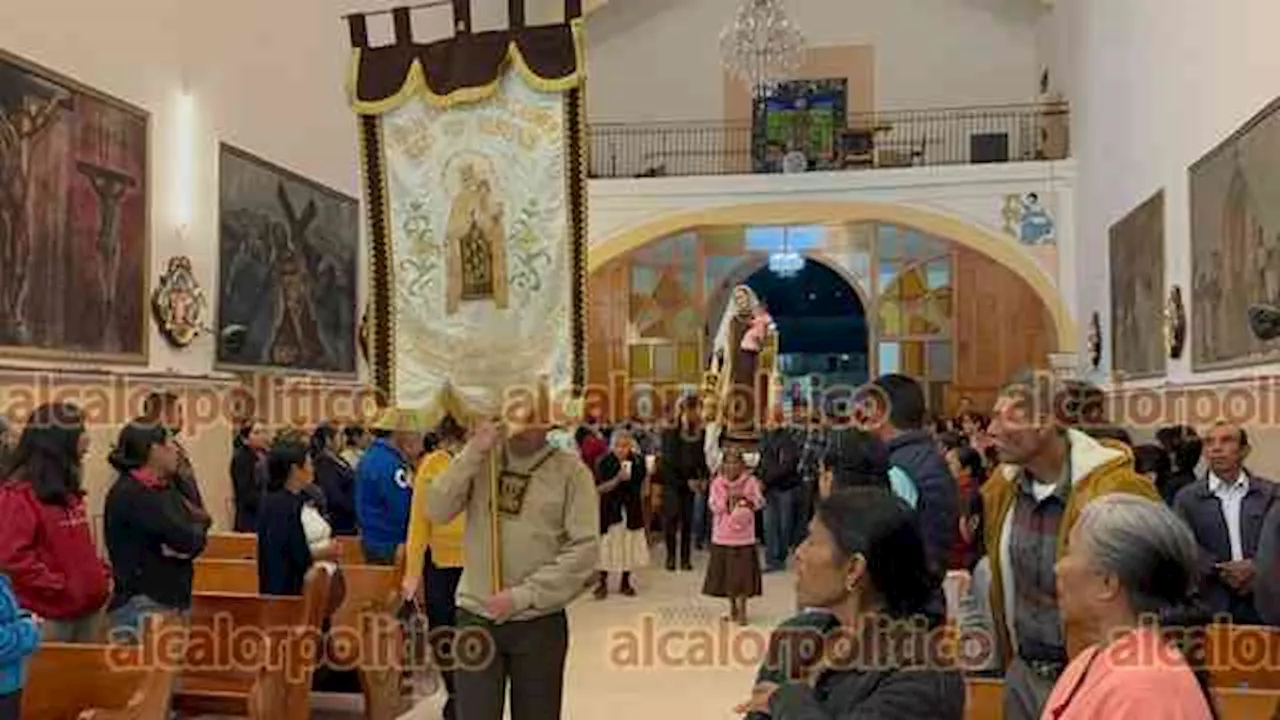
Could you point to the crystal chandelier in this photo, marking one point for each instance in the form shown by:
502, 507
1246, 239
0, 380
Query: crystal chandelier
762, 48
788, 263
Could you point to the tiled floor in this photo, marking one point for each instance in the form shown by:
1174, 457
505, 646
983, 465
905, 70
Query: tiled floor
662, 654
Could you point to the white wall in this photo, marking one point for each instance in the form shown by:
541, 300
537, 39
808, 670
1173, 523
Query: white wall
1156, 84
660, 59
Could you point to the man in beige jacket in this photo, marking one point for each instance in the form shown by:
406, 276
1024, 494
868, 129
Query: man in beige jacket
549, 541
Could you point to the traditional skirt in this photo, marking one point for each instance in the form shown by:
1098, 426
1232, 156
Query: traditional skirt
623, 550
733, 571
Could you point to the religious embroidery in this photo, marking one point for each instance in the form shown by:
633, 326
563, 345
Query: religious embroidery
477, 265
513, 485
477, 238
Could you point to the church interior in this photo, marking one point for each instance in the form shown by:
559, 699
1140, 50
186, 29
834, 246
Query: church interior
300, 218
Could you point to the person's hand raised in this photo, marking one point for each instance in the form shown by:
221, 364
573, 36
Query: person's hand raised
486, 436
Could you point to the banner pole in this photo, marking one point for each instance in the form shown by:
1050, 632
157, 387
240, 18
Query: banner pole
495, 532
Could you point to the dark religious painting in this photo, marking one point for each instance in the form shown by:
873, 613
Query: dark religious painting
802, 116
73, 219
287, 269
1138, 347
1235, 243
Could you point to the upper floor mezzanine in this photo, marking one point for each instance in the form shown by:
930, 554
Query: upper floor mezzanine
796, 142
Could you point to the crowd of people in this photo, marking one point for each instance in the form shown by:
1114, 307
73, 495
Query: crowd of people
1039, 528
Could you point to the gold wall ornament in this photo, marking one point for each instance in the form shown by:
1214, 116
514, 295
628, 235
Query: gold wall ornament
1175, 323
179, 304
1095, 340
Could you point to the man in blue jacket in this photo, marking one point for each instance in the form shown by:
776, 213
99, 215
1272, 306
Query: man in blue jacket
900, 424
384, 485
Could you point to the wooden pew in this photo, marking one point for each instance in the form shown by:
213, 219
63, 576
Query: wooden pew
368, 613
367, 636
984, 700
230, 546
254, 655
244, 546
1243, 656
102, 682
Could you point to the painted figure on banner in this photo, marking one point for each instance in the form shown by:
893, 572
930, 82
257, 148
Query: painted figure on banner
477, 241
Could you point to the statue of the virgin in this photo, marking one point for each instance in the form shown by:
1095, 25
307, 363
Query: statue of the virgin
743, 371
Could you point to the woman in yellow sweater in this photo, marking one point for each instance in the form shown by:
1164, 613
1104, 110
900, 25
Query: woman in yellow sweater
436, 548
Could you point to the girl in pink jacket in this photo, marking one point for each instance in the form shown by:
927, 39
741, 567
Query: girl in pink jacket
734, 569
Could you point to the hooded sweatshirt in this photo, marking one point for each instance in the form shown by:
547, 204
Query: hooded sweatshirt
384, 495
49, 554
19, 638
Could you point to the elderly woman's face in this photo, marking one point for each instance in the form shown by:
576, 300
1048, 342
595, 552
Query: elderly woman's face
742, 300
1082, 587
822, 573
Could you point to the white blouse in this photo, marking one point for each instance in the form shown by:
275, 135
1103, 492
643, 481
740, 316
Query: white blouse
316, 528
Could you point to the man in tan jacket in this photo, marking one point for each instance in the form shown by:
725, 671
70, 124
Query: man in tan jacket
549, 542
1049, 472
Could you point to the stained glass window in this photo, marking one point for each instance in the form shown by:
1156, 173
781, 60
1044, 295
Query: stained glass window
915, 307
641, 362
889, 356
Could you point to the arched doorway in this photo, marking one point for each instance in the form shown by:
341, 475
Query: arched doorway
957, 320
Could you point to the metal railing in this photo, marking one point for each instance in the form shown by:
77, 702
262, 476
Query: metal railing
897, 138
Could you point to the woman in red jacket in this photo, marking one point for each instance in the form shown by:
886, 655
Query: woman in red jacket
46, 543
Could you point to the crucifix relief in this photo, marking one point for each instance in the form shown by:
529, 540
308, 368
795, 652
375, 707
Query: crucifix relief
476, 241
110, 186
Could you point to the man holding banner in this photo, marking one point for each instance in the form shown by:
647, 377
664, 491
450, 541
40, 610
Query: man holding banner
549, 548
474, 157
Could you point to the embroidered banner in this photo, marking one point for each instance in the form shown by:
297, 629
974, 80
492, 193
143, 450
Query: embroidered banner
476, 187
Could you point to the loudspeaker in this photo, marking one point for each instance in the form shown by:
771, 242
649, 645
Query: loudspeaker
989, 147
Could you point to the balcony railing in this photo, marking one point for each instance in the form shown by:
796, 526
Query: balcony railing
894, 139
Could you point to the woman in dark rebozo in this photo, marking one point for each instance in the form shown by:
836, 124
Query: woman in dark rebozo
153, 531
624, 545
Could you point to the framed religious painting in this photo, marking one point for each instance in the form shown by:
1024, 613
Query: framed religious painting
287, 263
1235, 244
1137, 292
74, 209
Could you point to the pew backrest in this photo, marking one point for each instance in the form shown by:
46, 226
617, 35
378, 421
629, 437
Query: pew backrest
85, 681
984, 700
253, 654
244, 546
1243, 656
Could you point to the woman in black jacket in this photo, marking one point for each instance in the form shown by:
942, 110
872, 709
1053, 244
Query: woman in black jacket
336, 480
864, 564
153, 531
291, 533
249, 473
624, 544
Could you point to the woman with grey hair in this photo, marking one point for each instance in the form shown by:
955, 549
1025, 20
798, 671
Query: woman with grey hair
1128, 583
624, 546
